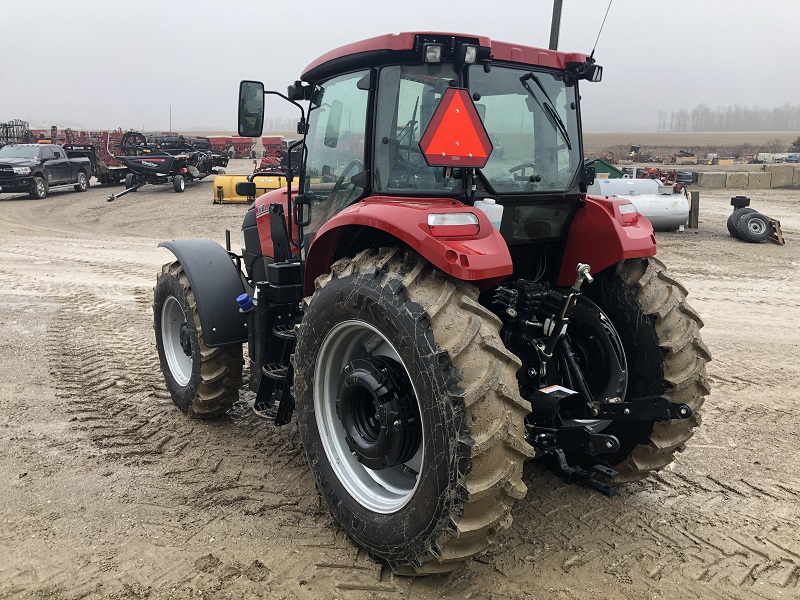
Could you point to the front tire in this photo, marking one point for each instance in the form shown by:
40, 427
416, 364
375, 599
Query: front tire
660, 335
178, 183
390, 311
39, 188
204, 382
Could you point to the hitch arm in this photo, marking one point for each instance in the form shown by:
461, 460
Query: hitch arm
647, 408
113, 197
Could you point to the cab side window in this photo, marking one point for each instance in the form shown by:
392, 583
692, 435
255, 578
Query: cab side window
337, 127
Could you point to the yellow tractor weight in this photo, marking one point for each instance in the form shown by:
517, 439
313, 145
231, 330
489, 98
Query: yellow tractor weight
225, 187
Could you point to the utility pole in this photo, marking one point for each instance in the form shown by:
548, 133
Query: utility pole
170, 118
555, 24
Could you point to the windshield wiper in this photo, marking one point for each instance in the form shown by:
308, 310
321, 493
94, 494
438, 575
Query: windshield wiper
547, 107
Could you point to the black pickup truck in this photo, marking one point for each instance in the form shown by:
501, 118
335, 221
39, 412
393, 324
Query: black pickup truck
35, 168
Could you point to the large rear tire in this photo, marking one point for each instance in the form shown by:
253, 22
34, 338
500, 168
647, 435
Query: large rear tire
393, 310
204, 382
660, 335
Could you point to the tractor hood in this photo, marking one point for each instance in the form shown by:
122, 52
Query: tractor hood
19, 162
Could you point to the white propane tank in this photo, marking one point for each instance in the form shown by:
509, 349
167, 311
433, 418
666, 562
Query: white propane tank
664, 211
492, 210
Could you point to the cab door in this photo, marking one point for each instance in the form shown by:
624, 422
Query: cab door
60, 166
48, 159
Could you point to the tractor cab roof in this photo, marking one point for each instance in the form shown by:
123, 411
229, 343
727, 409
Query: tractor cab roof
408, 46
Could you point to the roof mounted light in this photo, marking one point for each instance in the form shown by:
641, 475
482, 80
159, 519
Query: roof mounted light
468, 54
432, 53
587, 70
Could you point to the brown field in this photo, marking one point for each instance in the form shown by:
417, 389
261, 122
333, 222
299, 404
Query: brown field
725, 143
698, 143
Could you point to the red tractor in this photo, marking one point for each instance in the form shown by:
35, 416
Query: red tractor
424, 306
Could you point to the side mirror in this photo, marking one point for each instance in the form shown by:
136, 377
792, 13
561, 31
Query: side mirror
297, 91
251, 108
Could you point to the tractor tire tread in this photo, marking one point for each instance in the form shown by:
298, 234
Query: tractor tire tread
466, 332
677, 327
220, 368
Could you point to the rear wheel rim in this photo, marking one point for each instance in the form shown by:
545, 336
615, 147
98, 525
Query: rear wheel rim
382, 491
172, 318
756, 226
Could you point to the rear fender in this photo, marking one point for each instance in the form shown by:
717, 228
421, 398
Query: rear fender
482, 259
598, 237
216, 282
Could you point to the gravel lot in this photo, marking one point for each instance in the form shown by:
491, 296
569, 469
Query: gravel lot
109, 491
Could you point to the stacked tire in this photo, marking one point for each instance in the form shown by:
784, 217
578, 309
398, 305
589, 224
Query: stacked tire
749, 225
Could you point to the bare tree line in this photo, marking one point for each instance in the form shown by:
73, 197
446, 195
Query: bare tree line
284, 124
731, 118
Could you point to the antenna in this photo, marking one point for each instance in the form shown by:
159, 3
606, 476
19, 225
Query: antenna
591, 56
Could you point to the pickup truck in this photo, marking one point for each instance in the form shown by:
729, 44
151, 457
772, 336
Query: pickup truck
35, 168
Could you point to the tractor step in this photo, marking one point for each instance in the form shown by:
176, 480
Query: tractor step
275, 371
285, 332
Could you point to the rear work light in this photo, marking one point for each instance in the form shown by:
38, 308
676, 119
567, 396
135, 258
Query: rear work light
453, 224
468, 54
433, 53
630, 216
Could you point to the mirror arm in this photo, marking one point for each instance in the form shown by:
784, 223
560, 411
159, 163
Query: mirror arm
302, 124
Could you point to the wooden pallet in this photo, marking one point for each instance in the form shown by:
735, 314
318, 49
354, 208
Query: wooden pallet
776, 235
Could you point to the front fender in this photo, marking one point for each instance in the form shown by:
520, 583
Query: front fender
482, 259
598, 237
216, 282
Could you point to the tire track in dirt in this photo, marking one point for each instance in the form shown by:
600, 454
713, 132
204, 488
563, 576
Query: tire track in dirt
660, 532
111, 389
114, 393
720, 523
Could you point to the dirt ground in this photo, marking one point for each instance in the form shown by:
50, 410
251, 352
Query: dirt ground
107, 490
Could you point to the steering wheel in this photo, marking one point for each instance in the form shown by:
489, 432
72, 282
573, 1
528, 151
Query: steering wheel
355, 163
524, 167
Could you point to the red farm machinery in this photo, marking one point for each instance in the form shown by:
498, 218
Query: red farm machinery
433, 313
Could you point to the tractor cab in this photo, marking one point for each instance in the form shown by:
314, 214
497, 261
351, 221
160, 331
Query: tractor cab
377, 127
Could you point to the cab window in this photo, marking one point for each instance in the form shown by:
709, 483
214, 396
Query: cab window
335, 140
407, 98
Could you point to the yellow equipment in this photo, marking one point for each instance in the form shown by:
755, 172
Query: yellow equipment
225, 187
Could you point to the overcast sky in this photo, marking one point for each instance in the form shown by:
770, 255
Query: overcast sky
122, 63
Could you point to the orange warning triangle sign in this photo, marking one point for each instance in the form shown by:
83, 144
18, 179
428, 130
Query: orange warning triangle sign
455, 136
